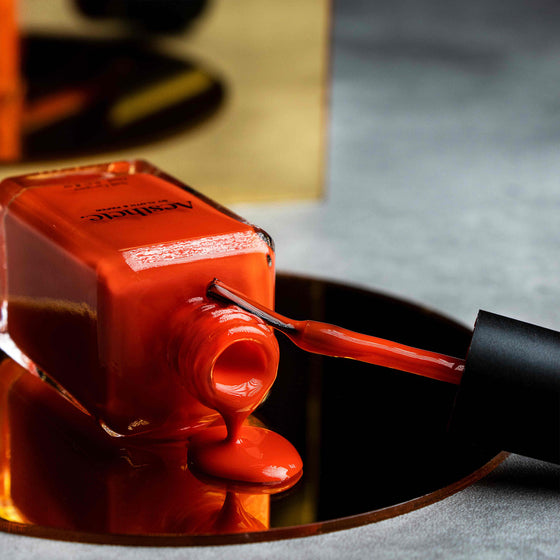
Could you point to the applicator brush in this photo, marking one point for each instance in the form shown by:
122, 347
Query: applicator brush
330, 340
508, 395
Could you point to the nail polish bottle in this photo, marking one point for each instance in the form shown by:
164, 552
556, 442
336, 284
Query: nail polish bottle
104, 270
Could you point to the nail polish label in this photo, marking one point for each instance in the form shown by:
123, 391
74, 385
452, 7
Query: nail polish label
136, 209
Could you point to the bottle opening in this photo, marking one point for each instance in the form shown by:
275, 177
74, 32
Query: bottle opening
242, 372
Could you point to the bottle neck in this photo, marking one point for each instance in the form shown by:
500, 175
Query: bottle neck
226, 358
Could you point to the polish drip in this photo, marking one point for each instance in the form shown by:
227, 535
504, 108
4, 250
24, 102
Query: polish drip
229, 360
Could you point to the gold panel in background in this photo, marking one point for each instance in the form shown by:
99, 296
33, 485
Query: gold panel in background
267, 138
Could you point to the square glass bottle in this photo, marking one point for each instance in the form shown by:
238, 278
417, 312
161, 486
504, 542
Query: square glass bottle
99, 267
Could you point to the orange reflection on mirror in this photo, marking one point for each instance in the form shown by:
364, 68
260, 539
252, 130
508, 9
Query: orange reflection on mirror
59, 469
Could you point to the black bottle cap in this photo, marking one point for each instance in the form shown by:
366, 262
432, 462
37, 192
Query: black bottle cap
509, 396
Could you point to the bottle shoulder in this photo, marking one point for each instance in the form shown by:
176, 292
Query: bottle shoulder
141, 219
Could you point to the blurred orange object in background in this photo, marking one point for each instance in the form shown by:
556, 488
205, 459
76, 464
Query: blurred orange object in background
11, 89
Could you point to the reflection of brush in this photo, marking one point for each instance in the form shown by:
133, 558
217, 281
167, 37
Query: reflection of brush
330, 340
509, 384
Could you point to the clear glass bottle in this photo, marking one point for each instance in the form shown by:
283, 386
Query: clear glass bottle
103, 268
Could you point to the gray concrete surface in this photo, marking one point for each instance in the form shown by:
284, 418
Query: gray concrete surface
443, 188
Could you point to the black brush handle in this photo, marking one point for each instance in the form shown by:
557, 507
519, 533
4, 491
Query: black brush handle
509, 396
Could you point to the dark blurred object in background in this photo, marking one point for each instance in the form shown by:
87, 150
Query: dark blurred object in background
108, 94
158, 16
197, 84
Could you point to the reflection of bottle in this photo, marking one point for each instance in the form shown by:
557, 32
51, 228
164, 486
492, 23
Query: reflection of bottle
59, 470
102, 266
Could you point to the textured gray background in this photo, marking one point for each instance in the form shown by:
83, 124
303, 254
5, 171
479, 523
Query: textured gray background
443, 188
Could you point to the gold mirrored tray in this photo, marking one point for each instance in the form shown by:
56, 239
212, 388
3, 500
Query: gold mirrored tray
373, 442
